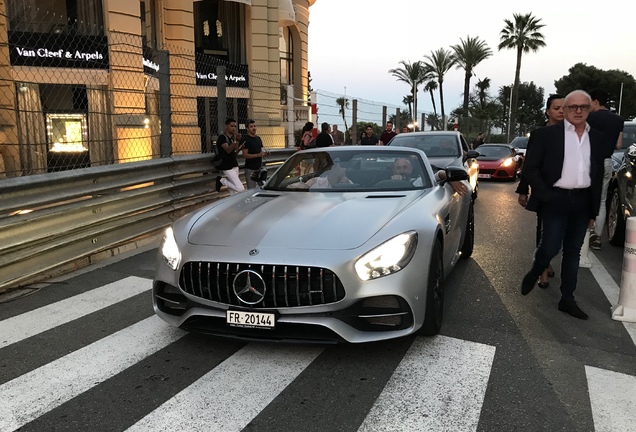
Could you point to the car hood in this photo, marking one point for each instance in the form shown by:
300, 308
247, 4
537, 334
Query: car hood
298, 220
489, 159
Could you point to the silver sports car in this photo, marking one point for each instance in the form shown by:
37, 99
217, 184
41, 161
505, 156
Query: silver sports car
340, 244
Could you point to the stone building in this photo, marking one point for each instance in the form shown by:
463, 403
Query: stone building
81, 81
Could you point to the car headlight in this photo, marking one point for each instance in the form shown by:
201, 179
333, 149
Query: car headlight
507, 162
170, 250
388, 258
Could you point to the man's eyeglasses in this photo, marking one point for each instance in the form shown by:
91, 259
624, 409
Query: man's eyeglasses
578, 107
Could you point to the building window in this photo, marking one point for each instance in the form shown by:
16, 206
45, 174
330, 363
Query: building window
148, 13
219, 29
286, 48
83, 17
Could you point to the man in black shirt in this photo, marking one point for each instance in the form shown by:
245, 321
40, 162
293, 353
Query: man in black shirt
368, 138
324, 138
253, 153
600, 118
388, 134
227, 145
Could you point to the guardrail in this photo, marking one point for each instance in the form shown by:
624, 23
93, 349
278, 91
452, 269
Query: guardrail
53, 223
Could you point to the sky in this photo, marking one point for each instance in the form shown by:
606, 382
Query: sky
353, 44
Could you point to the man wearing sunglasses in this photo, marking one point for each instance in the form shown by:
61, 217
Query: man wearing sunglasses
564, 167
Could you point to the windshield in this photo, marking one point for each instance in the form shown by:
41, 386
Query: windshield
488, 151
629, 134
351, 171
519, 142
433, 145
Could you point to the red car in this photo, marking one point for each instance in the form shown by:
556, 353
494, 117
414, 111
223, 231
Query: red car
499, 161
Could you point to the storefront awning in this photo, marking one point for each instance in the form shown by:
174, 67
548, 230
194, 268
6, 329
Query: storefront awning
286, 14
247, 2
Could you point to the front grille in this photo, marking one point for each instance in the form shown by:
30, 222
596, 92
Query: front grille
287, 286
486, 171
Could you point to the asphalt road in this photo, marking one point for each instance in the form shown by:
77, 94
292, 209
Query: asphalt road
87, 354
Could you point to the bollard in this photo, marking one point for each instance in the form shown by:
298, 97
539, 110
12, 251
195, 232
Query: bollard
585, 260
625, 310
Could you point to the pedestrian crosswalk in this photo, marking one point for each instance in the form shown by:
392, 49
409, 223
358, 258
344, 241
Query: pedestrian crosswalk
435, 384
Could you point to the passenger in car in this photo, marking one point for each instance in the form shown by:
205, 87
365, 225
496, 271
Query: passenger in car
403, 170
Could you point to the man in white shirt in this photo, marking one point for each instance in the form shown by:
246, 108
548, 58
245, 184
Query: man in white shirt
564, 167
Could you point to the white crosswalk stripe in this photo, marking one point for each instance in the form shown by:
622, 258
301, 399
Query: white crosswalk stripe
440, 383
37, 392
613, 400
439, 386
238, 389
31, 323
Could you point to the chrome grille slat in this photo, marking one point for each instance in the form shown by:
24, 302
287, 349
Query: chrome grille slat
218, 285
285, 287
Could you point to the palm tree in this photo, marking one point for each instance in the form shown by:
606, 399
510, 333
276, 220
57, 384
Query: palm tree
468, 54
440, 62
482, 89
412, 74
343, 102
408, 101
523, 35
430, 87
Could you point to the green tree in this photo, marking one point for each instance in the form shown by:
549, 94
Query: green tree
468, 54
430, 87
438, 63
413, 74
343, 104
408, 101
433, 121
403, 120
531, 114
582, 76
531, 110
522, 35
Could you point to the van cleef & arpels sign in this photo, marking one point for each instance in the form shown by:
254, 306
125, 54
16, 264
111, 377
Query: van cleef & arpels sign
58, 50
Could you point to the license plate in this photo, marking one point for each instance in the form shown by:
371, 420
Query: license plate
483, 175
250, 319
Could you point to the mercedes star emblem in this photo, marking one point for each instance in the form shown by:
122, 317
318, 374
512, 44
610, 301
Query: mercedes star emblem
249, 287
253, 252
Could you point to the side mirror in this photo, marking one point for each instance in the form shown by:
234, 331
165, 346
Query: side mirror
454, 173
471, 154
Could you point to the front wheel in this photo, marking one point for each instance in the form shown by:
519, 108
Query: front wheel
616, 220
434, 294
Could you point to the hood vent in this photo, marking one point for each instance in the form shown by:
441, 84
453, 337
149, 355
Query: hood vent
386, 196
266, 195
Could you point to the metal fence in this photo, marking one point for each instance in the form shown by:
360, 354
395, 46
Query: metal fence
110, 100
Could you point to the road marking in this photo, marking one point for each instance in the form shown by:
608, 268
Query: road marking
611, 290
439, 386
35, 393
232, 394
29, 324
613, 399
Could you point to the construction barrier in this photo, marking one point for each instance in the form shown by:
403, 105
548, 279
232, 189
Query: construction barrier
625, 310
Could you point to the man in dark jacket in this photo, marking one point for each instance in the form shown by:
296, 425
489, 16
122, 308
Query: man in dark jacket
564, 167
324, 138
227, 145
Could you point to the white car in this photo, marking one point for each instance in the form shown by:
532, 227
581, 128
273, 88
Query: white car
334, 247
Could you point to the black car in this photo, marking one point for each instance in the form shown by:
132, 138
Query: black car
621, 199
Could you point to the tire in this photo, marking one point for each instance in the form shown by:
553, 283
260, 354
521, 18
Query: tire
475, 192
469, 237
434, 294
615, 221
